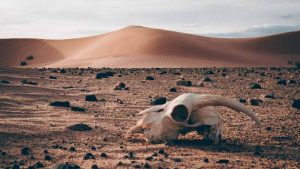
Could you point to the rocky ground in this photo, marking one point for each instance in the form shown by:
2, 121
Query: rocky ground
39, 110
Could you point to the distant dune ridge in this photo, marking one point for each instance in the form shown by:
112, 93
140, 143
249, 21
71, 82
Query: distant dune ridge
136, 46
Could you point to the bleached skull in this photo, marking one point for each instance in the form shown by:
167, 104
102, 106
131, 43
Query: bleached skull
188, 112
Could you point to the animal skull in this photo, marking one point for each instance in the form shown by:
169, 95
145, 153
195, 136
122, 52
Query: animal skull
188, 112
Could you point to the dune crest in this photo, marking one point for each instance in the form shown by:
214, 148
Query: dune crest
136, 46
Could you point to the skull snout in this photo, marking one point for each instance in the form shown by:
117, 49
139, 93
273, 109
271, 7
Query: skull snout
180, 113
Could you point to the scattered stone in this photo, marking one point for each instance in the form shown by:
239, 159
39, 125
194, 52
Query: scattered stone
296, 103
149, 78
158, 101
254, 86
46, 152
94, 167
173, 89
242, 100
52, 77
208, 72
48, 158
206, 160
282, 82
184, 83
90, 98
223, 161
79, 109
29, 82
5, 81
60, 104
103, 155
270, 96
88, 156
72, 149
67, 166
255, 102
79, 127
25, 151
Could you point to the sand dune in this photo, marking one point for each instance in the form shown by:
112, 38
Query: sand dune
146, 47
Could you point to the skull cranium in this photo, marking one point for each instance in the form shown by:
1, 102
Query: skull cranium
188, 112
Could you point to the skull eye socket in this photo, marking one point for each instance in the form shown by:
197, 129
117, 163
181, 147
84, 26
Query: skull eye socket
179, 113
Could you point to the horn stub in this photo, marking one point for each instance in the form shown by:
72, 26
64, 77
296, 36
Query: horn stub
179, 113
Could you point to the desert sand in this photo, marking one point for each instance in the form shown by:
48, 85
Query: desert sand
139, 47
33, 133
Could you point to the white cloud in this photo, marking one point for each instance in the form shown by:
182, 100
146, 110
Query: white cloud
75, 18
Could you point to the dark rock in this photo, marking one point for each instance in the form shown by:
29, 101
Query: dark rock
184, 83
161, 151
91, 98
16, 166
242, 100
5, 81
158, 101
79, 127
149, 158
282, 82
103, 155
146, 165
258, 150
149, 78
88, 156
93, 148
102, 75
25, 151
121, 86
48, 158
72, 149
23, 63
206, 160
291, 82
79, 109
173, 89
63, 71
223, 161
255, 102
206, 79
52, 77
177, 159
46, 152
67, 166
296, 104
94, 167
269, 128
30, 57
254, 86
29, 82
208, 72
38, 165
60, 104
270, 96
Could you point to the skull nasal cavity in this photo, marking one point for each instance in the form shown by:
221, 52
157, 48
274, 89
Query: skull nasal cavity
179, 113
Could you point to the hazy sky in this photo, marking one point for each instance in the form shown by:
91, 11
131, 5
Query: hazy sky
76, 18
